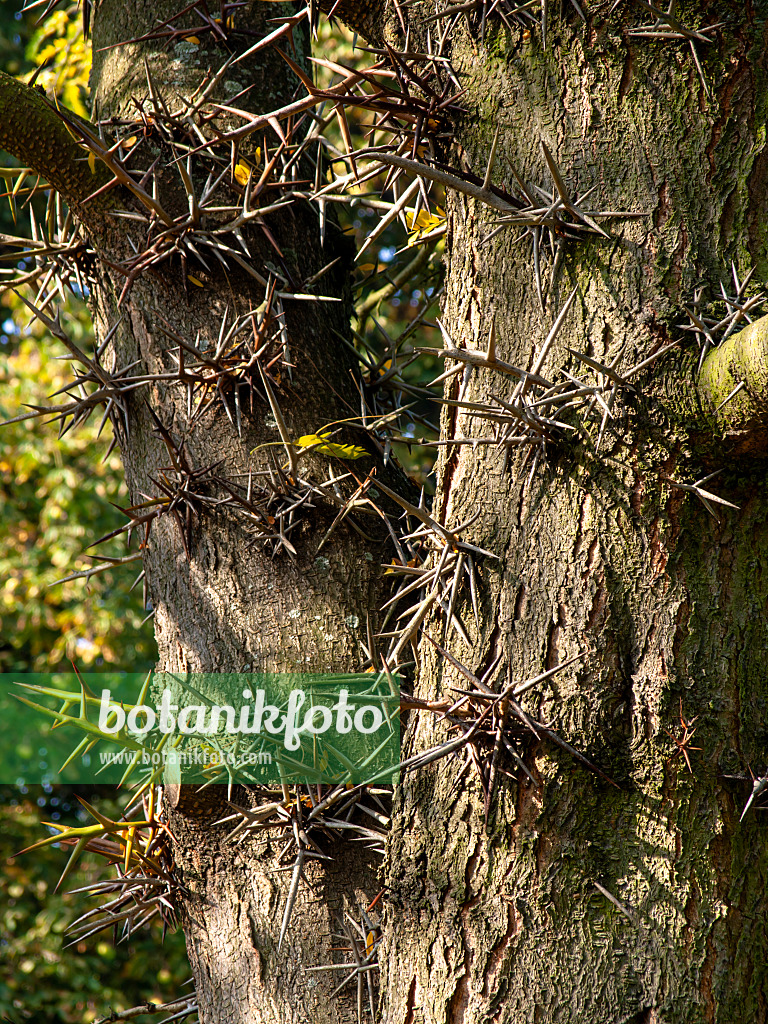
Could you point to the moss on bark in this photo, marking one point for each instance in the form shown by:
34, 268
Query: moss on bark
734, 387
33, 132
518, 920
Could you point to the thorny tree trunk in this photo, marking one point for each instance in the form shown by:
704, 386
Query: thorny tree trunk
505, 922
577, 901
228, 606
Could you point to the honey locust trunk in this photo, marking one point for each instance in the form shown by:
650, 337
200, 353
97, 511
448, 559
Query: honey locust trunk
231, 595
608, 882
576, 901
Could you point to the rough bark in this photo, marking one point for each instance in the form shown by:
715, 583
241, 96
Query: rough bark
232, 918
576, 902
513, 921
228, 606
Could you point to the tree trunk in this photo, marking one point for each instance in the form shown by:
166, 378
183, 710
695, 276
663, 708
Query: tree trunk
577, 901
569, 898
226, 604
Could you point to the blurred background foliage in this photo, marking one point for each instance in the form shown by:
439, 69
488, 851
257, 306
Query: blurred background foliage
42, 978
57, 45
398, 277
55, 493
57, 497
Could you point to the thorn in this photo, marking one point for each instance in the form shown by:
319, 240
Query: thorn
491, 160
490, 353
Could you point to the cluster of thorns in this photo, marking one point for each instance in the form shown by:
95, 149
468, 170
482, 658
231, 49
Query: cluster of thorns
233, 187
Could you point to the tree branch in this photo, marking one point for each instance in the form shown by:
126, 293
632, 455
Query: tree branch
393, 285
32, 131
733, 387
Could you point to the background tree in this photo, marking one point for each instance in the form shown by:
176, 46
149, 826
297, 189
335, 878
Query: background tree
603, 170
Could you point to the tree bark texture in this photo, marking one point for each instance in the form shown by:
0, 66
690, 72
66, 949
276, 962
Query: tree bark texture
575, 901
579, 902
227, 605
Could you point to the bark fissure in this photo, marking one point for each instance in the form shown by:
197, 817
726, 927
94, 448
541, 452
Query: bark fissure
604, 553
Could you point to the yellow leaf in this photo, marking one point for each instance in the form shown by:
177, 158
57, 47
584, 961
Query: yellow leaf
92, 162
129, 143
192, 39
370, 942
242, 173
243, 170
321, 444
412, 563
423, 223
194, 280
